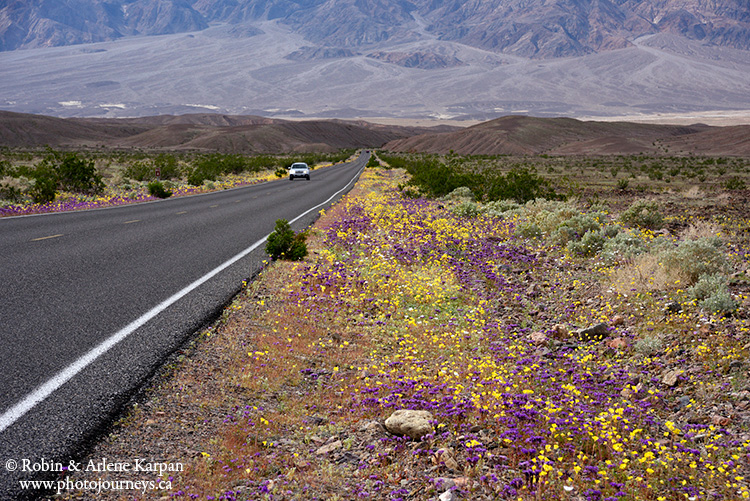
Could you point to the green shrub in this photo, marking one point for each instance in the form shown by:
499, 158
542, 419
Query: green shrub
281, 172
574, 228
623, 247
140, 171
466, 210
77, 174
283, 243
711, 293
694, 258
528, 229
707, 285
460, 193
521, 185
44, 189
643, 214
719, 302
167, 165
622, 184
735, 183
373, 161
157, 189
590, 245
499, 208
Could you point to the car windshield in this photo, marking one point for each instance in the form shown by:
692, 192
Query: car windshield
299, 166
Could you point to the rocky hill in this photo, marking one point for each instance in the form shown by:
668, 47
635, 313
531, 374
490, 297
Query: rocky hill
521, 135
208, 132
527, 28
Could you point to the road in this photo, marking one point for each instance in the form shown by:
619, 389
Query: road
94, 301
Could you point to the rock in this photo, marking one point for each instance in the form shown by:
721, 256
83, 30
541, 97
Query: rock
670, 377
720, 420
538, 338
444, 483
412, 423
618, 320
617, 343
372, 426
448, 496
445, 456
328, 448
594, 333
683, 401
673, 307
559, 331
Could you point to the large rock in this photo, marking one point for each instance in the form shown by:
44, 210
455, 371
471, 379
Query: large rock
594, 333
414, 424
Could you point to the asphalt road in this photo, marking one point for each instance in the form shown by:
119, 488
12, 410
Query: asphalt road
92, 302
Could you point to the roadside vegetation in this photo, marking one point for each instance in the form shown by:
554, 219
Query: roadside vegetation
588, 346
52, 181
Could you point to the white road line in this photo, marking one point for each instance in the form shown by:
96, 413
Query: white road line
55, 382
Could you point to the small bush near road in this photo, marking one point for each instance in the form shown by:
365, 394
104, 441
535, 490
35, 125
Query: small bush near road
157, 189
283, 243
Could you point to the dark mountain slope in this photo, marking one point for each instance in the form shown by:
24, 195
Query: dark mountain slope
520, 135
235, 134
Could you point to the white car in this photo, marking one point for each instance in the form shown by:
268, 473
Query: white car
299, 169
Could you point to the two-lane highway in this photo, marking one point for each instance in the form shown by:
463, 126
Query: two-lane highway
93, 301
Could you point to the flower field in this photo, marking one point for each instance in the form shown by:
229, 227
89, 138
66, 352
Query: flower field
548, 373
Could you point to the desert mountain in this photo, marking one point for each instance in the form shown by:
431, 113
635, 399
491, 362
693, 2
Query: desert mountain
367, 59
205, 132
521, 135
527, 28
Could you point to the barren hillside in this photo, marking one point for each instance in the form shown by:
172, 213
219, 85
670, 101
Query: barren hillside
565, 136
235, 134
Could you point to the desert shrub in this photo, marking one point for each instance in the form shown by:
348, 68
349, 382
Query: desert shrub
711, 293
719, 302
373, 161
499, 208
157, 189
734, 183
528, 229
12, 189
435, 178
644, 273
693, 258
283, 243
281, 172
44, 189
700, 229
649, 345
623, 247
643, 214
460, 193
622, 184
140, 171
6, 168
79, 175
466, 209
575, 227
589, 245
167, 165
521, 185
707, 285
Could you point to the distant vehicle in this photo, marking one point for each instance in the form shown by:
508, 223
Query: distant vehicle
299, 169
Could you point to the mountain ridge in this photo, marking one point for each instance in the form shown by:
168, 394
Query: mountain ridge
508, 135
526, 28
